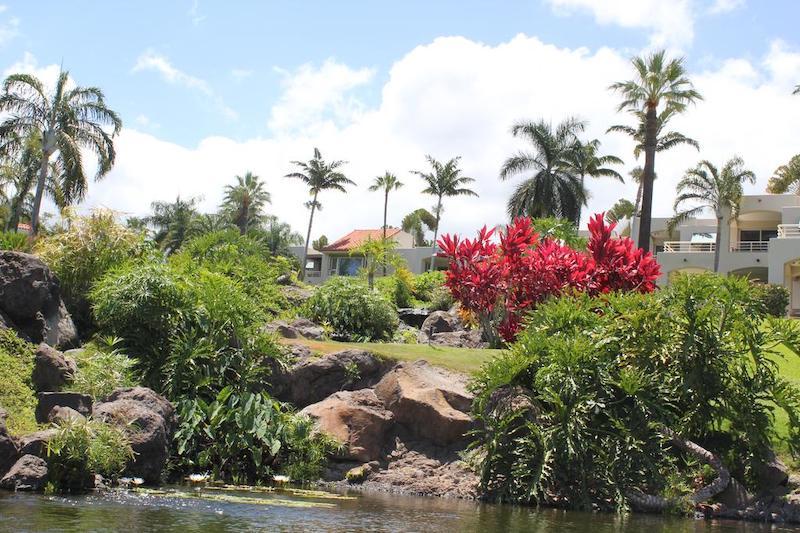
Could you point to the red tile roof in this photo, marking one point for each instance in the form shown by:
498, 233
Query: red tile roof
357, 237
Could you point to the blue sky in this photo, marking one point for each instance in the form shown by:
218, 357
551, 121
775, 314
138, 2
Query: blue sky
208, 80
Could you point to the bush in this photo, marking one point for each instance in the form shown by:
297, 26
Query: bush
580, 411
102, 368
397, 288
16, 391
81, 255
774, 298
81, 448
441, 300
427, 284
352, 310
12, 240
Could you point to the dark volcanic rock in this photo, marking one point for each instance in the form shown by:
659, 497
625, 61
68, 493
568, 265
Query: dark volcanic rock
28, 473
458, 339
30, 299
8, 446
82, 403
413, 317
300, 327
52, 369
149, 399
60, 415
36, 443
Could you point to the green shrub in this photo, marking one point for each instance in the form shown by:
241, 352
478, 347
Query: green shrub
441, 300
352, 310
81, 448
102, 368
83, 253
397, 287
12, 240
427, 284
774, 298
16, 392
578, 409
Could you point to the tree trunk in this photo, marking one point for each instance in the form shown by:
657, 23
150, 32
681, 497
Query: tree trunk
648, 175
37, 201
436, 232
385, 208
717, 243
302, 274
580, 207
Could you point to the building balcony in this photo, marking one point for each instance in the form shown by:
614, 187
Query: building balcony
688, 247
750, 246
789, 231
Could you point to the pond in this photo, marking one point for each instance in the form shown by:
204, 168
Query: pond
207, 511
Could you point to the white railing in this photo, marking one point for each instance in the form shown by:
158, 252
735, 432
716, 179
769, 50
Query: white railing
688, 246
788, 230
750, 246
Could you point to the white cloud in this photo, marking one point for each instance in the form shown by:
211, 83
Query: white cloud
194, 13
152, 61
9, 27
318, 97
241, 74
725, 6
48, 74
670, 21
146, 122
458, 97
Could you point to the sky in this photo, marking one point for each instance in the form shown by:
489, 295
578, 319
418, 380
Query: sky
208, 90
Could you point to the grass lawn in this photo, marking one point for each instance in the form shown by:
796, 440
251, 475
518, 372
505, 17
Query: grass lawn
464, 360
789, 369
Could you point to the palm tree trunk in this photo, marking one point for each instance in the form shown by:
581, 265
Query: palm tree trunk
580, 207
385, 207
717, 243
436, 232
302, 274
37, 201
647, 178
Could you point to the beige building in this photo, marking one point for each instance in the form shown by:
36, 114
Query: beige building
763, 243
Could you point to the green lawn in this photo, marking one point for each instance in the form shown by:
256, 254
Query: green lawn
789, 369
465, 360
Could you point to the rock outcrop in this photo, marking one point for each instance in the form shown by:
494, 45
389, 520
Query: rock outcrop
300, 327
8, 446
148, 422
357, 419
36, 443
52, 369
439, 322
28, 473
81, 403
30, 301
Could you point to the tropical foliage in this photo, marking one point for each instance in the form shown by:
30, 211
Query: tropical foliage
417, 222
16, 395
786, 178
244, 201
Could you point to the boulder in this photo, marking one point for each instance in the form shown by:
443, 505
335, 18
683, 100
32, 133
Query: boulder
36, 443
147, 423
458, 339
771, 473
355, 418
52, 369
300, 327
28, 473
313, 379
30, 299
61, 415
440, 322
734, 496
8, 446
81, 403
431, 402
413, 317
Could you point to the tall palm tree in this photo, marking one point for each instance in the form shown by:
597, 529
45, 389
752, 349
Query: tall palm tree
707, 187
415, 223
386, 183
621, 210
658, 81
66, 121
586, 161
444, 180
173, 222
318, 176
245, 200
786, 178
554, 189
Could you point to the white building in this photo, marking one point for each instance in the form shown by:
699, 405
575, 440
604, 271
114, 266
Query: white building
763, 243
337, 259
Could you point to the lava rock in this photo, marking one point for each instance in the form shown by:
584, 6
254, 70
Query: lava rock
28, 473
52, 369
36, 443
81, 403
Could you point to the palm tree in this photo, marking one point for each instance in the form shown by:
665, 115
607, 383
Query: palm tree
787, 178
621, 210
386, 183
554, 189
66, 121
209, 223
173, 222
415, 223
586, 162
796, 89
318, 176
444, 181
278, 236
245, 200
707, 187
658, 82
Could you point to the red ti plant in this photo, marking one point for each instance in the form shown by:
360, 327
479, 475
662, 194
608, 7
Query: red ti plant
499, 283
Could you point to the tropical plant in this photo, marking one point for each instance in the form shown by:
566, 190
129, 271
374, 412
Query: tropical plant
102, 368
559, 230
605, 401
377, 252
775, 298
173, 222
416, 222
786, 178
67, 121
426, 284
658, 82
319, 243
386, 183
277, 236
586, 161
16, 395
203, 224
318, 176
18, 242
623, 209
555, 186
501, 283
719, 190
445, 180
352, 310
22, 162
244, 201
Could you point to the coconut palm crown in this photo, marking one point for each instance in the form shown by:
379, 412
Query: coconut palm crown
245, 201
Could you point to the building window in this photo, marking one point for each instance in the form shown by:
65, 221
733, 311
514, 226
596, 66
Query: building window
348, 266
757, 235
